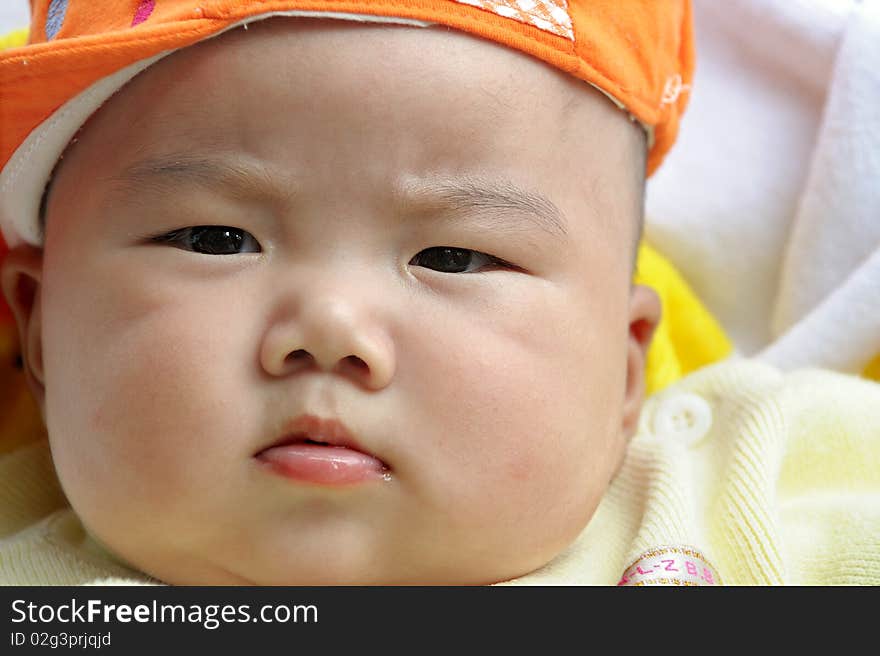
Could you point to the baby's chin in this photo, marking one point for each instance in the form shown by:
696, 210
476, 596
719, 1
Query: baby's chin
219, 576
212, 571
234, 551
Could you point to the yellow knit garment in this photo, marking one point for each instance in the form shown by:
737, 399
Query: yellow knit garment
782, 486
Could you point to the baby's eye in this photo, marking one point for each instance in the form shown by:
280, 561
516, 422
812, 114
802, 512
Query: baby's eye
212, 240
454, 260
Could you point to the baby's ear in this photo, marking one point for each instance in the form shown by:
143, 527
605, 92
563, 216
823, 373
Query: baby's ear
21, 273
644, 316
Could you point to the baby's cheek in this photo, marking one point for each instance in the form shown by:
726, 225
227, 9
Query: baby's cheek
548, 477
150, 427
530, 492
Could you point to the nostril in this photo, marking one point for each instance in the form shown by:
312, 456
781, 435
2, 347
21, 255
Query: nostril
354, 362
298, 356
302, 358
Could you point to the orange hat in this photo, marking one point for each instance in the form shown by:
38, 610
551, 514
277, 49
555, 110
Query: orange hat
639, 53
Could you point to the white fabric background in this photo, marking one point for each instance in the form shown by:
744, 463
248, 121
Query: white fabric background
769, 203
13, 14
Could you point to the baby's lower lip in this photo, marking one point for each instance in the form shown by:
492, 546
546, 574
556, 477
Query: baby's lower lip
322, 464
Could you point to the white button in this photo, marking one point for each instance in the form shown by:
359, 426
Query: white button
687, 417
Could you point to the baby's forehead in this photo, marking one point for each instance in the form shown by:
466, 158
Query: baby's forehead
373, 57
385, 77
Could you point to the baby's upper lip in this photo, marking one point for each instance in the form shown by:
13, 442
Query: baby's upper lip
309, 427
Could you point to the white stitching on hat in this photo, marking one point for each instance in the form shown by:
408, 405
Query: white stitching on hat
673, 89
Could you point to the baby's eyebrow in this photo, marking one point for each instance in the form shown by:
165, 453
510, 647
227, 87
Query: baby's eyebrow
507, 206
484, 196
236, 177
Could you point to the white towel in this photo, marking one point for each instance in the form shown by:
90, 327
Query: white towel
770, 202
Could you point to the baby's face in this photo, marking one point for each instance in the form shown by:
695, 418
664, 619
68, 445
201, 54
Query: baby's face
378, 267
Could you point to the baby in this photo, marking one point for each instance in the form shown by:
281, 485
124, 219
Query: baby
318, 301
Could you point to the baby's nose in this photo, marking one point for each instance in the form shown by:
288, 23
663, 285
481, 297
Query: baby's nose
333, 337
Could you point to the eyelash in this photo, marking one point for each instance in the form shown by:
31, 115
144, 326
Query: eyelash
178, 239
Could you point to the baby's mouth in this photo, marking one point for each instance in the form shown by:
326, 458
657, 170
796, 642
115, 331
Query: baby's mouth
321, 452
